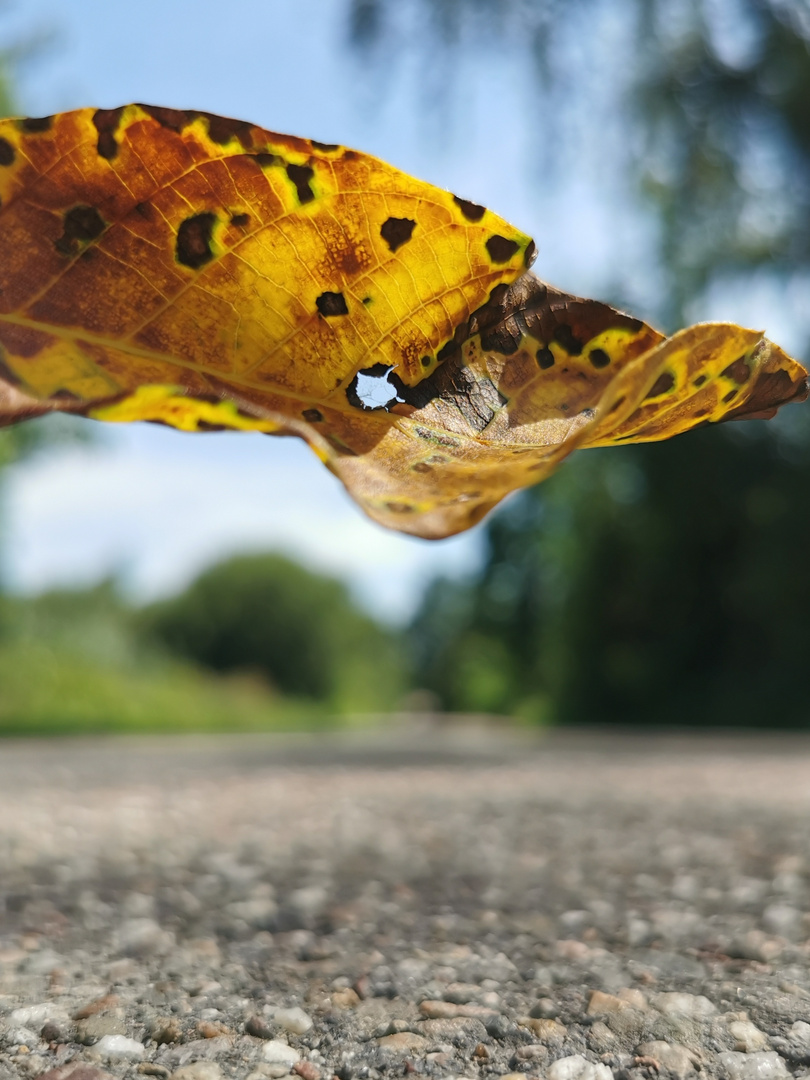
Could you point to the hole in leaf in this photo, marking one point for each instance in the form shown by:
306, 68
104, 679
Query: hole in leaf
371, 389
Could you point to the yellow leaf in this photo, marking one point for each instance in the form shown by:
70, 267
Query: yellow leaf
182, 268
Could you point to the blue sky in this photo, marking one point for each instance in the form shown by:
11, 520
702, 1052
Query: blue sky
156, 506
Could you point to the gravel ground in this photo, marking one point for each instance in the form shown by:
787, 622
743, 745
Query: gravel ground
461, 903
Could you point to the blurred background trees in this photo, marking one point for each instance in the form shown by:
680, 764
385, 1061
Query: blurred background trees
654, 584
660, 584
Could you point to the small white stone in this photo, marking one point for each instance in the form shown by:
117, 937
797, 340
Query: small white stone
765, 1065
679, 1061
695, 1006
21, 1036
294, 1020
118, 1046
198, 1070
278, 1052
747, 1036
576, 1067
34, 1016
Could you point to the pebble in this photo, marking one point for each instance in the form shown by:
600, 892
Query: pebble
576, 1067
547, 1031
75, 1070
96, 1027
279, 1052
796, 1045
693, 1006
404, 1042
118, 1046
294, 1020
458, 1031
34, 1016
198, 1070
747, 1036
679, 1061
447, 1010
259, 1027
765, 1065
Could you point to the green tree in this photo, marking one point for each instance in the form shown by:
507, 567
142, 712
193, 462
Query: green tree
661, 583
299, 630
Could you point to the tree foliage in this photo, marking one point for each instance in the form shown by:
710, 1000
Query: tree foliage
299, 630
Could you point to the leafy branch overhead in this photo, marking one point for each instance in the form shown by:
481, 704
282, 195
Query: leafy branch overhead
186, 269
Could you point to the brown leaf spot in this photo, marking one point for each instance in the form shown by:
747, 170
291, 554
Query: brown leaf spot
730, 396
545, 358
266, 160
426, 361
194, 240
312, 416
332, 303
738, 371
662, 385
500, 249
566, 337
206, 425
173, 119
36, 124
599, 358
221, 129
324, 147
530, 254
397, 231
399, 508
422, 467
8, 376
301, 176
502, 338
7, 153
106, 123
471, 211
83, 224
240, 220
700, 380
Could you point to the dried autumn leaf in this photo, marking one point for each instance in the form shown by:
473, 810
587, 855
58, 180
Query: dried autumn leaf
182, 268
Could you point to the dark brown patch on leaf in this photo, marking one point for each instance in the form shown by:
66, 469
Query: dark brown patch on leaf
332, 303
325, 147
301, 176
7, 153
422, 467
83, 224
599, 358
173, 119
206, 425
36, 124
530, 254
446, 351
399, 508
772, 389
23, 341
312, 416
240, 220
221, 129
565, 336
662, 385
193, 248
738, 371
266, 160
426, 361
545, 358
502, 338
730, 396
617, 404
500, 249
106, 123
8, 376
397, 231
700, 380
476, 399
471, 211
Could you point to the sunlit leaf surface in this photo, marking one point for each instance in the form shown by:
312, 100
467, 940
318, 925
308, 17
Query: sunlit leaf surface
186, 269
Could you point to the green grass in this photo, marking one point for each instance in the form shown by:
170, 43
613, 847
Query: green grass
47, 690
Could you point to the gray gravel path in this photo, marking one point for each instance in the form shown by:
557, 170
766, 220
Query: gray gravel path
461, 903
